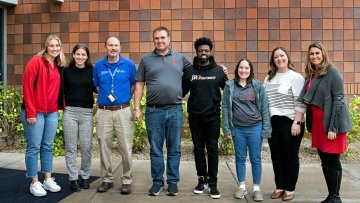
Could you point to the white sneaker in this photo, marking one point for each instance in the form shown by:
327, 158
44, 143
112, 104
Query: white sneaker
37, 189
240, 193
51, 185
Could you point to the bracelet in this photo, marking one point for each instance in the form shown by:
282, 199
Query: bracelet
137, 108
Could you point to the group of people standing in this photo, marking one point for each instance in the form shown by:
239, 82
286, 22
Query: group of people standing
251, 111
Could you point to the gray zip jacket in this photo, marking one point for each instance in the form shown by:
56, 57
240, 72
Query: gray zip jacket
260, 100
327, 92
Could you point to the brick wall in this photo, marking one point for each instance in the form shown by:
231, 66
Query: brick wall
239, 28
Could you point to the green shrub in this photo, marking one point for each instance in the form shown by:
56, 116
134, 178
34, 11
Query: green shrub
354, 109
10, 123
354, 134
59, 142
226, 146
186, 128
140, 135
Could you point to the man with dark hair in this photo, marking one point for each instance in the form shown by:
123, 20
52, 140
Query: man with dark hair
162, 70
204, 81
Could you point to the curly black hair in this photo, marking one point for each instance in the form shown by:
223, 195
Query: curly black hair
203, 41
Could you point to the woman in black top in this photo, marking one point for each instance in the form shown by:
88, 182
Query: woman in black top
78, 115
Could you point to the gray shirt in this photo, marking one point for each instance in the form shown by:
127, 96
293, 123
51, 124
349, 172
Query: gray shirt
245, 111
162, 76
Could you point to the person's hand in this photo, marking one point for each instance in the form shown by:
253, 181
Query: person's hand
227, 137
31, 121
137, 114
295, 129
224, 69
331, 135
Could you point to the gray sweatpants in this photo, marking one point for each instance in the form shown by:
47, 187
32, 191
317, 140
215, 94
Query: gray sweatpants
78, 123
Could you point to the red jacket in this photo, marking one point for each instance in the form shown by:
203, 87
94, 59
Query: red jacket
41, 87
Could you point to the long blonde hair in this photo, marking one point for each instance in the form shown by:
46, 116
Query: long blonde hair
60, 59
321, 70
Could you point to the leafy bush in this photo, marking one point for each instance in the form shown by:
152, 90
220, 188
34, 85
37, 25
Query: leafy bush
226, 146
59, 142
354, 109
140, 135
10, 106
186, 128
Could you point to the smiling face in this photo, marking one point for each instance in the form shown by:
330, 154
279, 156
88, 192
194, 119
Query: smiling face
244, 70
161, 41
112, 47
281, 60
53, 49
80, 57
203, 54
316, 56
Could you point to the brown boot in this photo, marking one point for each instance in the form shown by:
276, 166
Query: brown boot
125, 189
105, 186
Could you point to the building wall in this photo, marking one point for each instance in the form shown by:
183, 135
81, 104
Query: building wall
239, 28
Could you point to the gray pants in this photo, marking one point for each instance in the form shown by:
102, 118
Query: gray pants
78, 123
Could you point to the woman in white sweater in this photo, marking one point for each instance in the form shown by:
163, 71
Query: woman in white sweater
283, 85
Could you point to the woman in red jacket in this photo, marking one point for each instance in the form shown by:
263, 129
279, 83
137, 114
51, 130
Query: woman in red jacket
39, 115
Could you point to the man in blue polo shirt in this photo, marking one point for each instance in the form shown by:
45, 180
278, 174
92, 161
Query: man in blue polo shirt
114, 77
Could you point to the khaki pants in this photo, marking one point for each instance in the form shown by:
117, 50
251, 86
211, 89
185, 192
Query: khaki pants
122, 122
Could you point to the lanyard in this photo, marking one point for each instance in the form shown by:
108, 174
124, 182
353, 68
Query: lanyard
112, 74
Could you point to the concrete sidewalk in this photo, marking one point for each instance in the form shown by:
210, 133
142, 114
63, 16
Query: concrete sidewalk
310, 188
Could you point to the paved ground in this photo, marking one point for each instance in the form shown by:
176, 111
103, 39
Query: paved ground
310, 188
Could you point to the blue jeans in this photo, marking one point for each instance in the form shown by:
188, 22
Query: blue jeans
161, 125
39, 139
244, 138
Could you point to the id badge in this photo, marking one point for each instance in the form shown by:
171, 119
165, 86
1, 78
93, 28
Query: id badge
111, 97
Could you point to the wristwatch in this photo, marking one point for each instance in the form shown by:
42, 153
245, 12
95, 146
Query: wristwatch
297, 122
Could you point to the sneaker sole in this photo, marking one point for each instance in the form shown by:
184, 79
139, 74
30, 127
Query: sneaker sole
157, 193
171, 194
215, 196
52, 190
198, 191
38, 195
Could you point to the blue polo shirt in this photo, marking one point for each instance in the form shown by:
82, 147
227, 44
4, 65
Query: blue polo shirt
123, 71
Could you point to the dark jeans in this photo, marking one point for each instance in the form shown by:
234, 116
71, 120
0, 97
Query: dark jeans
164, 126
205, 131
285, 152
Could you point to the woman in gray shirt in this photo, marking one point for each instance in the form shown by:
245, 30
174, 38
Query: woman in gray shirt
245, 116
